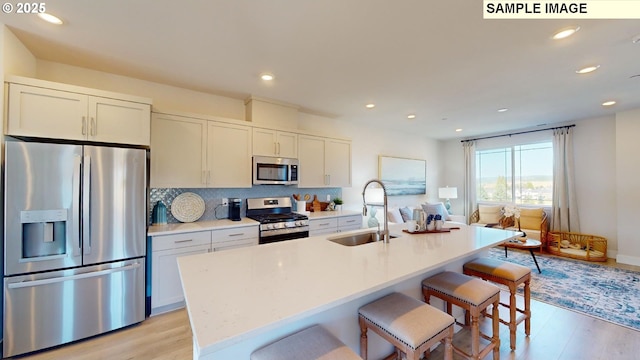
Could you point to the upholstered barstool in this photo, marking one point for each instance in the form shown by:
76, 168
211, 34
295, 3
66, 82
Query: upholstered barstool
512, 276
408, 324
474, 296
314, 343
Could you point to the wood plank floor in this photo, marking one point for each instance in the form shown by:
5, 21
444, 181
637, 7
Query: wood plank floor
555, 334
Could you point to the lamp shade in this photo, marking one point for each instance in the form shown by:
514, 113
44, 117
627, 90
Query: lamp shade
448, 193
374, 196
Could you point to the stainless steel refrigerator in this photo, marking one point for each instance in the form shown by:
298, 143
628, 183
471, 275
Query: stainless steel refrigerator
74, 242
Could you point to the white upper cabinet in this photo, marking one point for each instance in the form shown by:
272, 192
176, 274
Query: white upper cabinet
338, 162
311, 157
118, 121
324, 162
188, 152
45, 109
46, 113
229, 155
178, 152
269, 142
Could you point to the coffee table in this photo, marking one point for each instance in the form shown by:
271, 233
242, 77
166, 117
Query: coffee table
529, 244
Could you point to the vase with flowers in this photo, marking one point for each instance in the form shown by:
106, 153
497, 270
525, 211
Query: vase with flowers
514, 212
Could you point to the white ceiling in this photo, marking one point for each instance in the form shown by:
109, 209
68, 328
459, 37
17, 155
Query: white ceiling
437, 59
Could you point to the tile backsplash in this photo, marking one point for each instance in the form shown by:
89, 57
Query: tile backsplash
213, 197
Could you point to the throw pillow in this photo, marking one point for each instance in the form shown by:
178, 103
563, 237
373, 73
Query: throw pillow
530, 218
435, 209
395, 216
406, 213
489, 214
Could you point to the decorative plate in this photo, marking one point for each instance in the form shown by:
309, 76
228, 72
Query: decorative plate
187, 207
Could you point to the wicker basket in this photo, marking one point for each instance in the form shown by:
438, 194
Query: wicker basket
577, 246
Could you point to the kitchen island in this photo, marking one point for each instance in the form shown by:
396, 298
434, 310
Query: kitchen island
242, 299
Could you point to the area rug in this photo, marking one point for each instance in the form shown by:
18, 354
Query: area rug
603, 292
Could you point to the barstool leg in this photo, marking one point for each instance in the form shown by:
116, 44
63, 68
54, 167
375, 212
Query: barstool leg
527, 308
495, 318
475, 336
512, 317
448, 348
363, 338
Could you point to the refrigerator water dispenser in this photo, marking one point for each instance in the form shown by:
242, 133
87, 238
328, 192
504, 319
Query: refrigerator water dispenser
44, 232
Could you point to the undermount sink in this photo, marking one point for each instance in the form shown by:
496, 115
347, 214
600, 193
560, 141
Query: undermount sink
357, 239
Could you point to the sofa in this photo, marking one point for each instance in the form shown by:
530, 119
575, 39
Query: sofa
533, 220
400, 215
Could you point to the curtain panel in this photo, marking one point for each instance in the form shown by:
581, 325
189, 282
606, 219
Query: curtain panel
564, 209
469, 178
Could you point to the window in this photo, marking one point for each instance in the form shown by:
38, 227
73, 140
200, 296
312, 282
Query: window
521, 174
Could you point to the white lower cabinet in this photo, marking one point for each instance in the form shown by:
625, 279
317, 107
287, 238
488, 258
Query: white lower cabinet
323, 226
348, 223
234, 238
331, 225
166, 287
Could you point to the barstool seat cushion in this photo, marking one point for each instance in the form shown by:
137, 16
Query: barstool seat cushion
462, 287
312, 343
408, 320
498, 268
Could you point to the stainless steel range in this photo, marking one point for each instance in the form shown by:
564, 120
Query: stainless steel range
277, 221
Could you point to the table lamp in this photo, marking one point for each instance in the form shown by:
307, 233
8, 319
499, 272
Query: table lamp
448, 193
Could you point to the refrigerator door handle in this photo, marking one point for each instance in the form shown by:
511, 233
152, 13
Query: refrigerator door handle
73, 231
54, 280
86, 206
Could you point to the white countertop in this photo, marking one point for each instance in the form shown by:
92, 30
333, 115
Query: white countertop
235, 295
329, 214
169, 229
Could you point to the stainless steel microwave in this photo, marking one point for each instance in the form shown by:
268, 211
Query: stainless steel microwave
275, 171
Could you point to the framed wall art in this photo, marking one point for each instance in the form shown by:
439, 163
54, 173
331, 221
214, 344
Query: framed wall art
403, 176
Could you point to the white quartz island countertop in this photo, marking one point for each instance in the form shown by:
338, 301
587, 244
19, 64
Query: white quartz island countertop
233, 296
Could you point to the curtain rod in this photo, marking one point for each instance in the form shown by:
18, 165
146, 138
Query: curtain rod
519, 133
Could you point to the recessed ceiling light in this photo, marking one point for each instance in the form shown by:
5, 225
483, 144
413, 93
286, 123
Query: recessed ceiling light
588, 69
370, 106
458, 130
565, 32
502, 110
267, 77
411, 116
609, 103
50, 18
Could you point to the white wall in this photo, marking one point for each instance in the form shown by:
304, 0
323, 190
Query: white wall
165, 98
452, 170
18, 60
595, 168
628, 192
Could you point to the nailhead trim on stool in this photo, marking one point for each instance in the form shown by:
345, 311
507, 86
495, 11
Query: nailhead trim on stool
510, 275
474, 296
314, 343
408, 324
